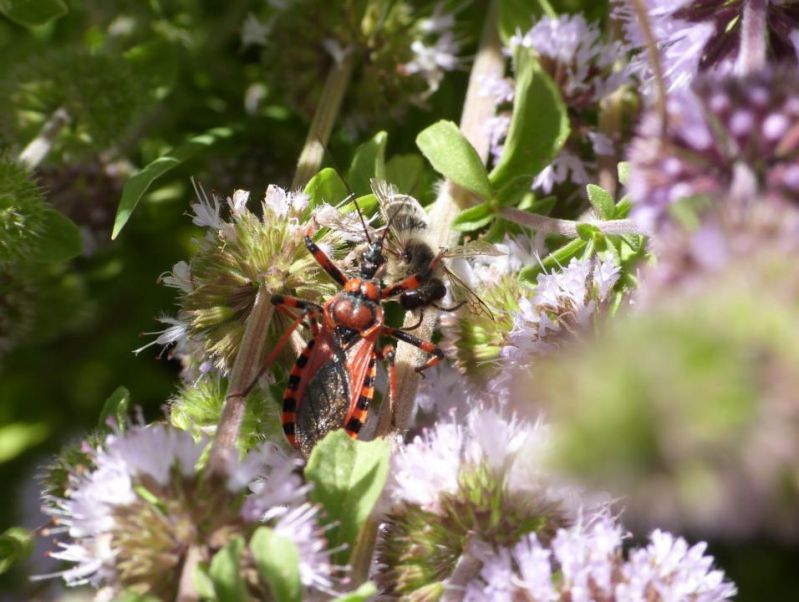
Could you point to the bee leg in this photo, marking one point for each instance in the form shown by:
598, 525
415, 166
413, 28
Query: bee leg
455, 307
425, 346
417, 325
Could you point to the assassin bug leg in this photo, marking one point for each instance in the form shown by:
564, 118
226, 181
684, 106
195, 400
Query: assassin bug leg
358, 415
323, 260
289, 416
425, 346
310, 312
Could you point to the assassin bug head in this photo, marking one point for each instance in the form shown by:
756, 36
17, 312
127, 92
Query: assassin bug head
372, 258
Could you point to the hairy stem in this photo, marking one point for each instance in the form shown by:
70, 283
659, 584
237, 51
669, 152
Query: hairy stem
553, 225
467, 568
654, 60
245, 370
477, 109
322, 124
752, 53
38, 148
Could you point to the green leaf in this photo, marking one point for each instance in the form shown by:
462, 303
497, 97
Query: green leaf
369, 162
554, 259
141, 181
202, 582
60, 240
513, 192
225, 572
347, 477
33, 12
133, 596
473, 218
17, 437
601, 200
326, 187
278, 562
515, 16
539, 126
115, 406
623, 208
361, 594
367, 203
16, 544
624, 172
406, 172
451, 155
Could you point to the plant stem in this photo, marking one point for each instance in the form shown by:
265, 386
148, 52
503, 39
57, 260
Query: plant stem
322, 124
752, 52
654, 60
38, 148
553, 225
477, 109
186, 590
467, 568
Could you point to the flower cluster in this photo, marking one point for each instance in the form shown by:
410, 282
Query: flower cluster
586, 562
239, 254
571, 51
727, 136
141, 503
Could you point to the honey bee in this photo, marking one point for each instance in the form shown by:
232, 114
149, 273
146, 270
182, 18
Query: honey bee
410, 249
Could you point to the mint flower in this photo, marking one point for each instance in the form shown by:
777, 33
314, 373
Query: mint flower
727, 136
131, 514
696, 36
586, 562
572, 52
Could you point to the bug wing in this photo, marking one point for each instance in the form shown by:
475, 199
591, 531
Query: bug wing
474, 248
461, 291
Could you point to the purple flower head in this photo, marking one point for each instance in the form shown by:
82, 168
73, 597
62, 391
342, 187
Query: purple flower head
696, 36
727, 136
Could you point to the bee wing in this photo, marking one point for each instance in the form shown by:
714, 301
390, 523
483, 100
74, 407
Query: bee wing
462, 292
474, 248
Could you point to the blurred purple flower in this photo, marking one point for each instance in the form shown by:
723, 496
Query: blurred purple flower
696, 36
726, 136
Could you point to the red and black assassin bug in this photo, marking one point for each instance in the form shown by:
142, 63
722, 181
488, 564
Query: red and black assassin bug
332, 382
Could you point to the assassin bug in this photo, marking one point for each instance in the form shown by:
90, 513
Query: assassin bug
332, 382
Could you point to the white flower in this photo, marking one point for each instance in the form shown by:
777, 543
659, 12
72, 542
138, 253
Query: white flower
175, 333
206, 211
301, 527
253, 32
238, 202
435, 50
566, 166
179, 277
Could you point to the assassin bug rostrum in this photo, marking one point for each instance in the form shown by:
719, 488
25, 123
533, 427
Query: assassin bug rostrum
332, 382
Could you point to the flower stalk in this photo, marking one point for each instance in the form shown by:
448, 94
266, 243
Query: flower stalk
655, 61
552, 225
327, 109
477, 109
38, 148
752, 54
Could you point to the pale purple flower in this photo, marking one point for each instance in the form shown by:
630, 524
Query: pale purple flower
238, 202
727, 137
585, 562
179, 278
435, 50
696, 36
175, 334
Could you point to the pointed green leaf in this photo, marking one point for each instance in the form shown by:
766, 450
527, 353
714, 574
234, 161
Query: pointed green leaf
326, 187
225, 572
539, 126
519, 15
406, 172
33, 12
451, 155
17, 437
347, 477
61, 239
603, 203
367, 203
16, 544
115, 406
278, 562
473, 218
559, 257
363, 593
369, 162
141, 181
202, 582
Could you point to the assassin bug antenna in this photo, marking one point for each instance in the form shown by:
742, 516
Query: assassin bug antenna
363, 221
